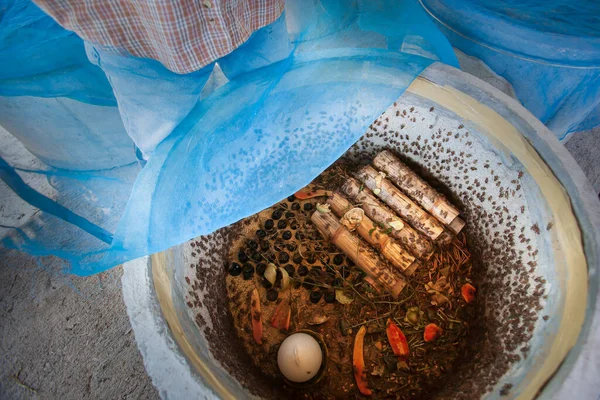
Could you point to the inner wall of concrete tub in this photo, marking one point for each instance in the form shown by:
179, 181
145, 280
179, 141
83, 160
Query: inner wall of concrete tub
503, 208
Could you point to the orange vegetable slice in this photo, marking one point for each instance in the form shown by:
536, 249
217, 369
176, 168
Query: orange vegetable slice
397, 339
256, 317
468, 292
358, 363
304, 195
281, 316
432, 332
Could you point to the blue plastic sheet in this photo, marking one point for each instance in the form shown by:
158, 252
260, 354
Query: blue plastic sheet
52, 98
266, 133
549, 50
40, 58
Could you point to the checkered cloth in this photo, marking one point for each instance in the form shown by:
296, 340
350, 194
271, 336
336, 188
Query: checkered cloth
184, 35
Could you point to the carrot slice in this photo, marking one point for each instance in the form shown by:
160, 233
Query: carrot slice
397, 339
255, 316
432, 332
358, 362
303, 194
468, 292
281, 316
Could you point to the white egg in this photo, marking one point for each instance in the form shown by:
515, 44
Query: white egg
299, 357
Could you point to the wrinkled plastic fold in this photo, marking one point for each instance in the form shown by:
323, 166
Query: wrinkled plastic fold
549, 50
253, 141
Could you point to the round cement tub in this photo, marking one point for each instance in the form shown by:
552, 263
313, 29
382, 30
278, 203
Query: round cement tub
532, 220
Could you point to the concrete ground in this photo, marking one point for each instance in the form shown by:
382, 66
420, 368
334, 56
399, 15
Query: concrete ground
585, 147
66, 337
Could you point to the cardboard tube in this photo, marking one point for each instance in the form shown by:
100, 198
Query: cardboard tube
403, 205
363, 256
419, 190
381, 240
412, 240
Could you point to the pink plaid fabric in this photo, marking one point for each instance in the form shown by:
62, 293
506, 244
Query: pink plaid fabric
184, 35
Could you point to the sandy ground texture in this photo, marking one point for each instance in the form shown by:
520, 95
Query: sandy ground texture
66, 337
585, 147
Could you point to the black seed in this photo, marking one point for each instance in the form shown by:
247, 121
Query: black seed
308, 283
337, 283
255, 256
289, 214
312, 258
279, 245
266, 284
315, 296
234, 269
302, 270
295, 206
272, 295
260, 269
350, 263
308, 206
242, 256
299, 235
247, 271
287, 235
329, 297
296, 284
252, 244
261, 233
290, 269
277, 214
293, 225
264, 245
291, 198
269, 224
315, 272
297, 258
283, 257
338, 259
291, 246
281, 224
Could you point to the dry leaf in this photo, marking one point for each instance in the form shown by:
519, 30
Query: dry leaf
438, 299
379, 178
445, 272
318, 317
324, 208
402, 365
397, 224
413, 316
285, 278
441, 285
437, 291
342, 298
378, 370
352, 218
